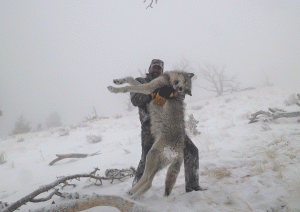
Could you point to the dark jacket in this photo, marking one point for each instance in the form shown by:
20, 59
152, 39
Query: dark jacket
142, 100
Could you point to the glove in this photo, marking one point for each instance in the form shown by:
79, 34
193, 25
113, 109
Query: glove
159, 99
153, 95
162, 95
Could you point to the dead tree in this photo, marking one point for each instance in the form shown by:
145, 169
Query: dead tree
82, 203
274, 114
184, 65
219, 81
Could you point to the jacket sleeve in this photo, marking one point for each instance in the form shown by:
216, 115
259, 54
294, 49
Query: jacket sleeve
138, 99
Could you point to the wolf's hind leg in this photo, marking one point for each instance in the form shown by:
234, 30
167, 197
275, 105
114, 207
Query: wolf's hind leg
129, 80
172, 174
153, 165
145, 186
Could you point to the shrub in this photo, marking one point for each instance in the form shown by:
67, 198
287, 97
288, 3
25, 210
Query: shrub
20, 139
93, 138
291, 100
21, 126
64, 132
2, 158
191, 125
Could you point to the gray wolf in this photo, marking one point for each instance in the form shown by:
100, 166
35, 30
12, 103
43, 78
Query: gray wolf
167, 126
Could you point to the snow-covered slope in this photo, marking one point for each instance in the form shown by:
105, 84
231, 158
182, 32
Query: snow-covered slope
246, 167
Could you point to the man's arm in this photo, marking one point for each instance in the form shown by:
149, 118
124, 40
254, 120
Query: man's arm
138, 99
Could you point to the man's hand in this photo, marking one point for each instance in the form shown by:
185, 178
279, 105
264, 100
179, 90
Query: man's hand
162, 94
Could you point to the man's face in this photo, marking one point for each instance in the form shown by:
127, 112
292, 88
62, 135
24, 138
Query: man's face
155, 71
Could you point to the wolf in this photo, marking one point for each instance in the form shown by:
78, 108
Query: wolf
167, 127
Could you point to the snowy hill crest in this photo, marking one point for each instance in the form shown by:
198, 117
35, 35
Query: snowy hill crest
246, 167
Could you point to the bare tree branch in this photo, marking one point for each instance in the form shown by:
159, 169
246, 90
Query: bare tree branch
30, 198
72, 155
184, 65
221, 83
56, 192
150, 5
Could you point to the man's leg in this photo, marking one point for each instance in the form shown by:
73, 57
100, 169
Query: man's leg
191, 166
147, 142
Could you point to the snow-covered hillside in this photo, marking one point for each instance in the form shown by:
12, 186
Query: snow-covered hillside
246, 167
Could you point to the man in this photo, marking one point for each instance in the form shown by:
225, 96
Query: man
191, 158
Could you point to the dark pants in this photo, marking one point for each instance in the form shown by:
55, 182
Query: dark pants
191, 159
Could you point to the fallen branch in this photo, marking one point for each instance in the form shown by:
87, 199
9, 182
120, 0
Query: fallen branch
273, 114
72, 155
63, 180
85, 202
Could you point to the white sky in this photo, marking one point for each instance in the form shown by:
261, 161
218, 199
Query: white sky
61, 55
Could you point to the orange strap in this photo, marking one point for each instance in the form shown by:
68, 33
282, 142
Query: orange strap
160, 100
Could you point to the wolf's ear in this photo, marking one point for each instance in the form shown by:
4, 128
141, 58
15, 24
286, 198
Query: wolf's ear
190, 75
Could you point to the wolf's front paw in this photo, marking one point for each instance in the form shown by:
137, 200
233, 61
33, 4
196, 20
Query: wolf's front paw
112, 89
119, 81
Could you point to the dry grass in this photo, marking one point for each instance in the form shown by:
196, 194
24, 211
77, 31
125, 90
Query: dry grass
277, 166
218, 173
243, 204
265, 127
207, 141
258, 168
294, 188
278, 139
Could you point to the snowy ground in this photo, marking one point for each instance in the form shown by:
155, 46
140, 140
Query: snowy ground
246, 167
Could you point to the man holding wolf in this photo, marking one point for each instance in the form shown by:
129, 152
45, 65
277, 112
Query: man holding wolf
191, 158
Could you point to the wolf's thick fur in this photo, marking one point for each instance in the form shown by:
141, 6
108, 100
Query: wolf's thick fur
167, 127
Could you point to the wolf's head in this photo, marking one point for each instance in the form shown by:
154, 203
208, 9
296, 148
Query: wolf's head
181, 82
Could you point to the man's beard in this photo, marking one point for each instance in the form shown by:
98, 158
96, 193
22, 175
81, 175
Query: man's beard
155, 75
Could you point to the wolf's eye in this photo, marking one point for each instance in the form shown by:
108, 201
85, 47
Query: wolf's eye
176, 82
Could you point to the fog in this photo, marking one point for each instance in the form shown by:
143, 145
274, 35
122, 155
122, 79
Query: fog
61, 55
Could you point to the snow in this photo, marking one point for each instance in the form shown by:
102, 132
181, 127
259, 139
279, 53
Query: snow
246, 167
169, 153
